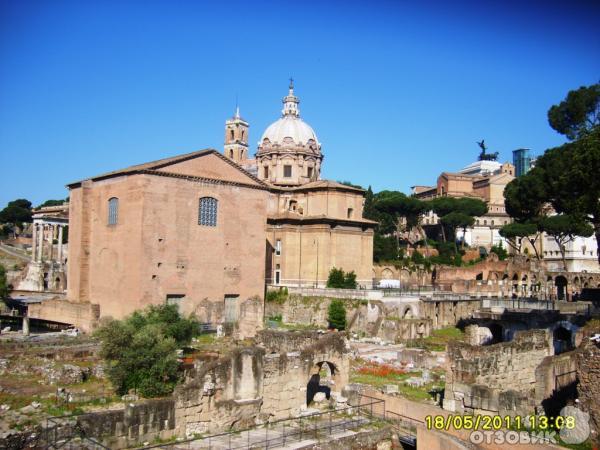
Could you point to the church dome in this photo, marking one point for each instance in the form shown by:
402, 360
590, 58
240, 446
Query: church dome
288, 128
289, 132
289, 153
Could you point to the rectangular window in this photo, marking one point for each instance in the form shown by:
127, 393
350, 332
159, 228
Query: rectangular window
231, 308
207, 212
175, 299
277, 274
350, 213
278, 247
287, 171
266, 172
309, 172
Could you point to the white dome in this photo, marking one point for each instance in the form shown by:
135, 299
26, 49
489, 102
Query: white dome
291, 127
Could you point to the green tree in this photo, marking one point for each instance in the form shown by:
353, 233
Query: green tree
369, 211
500, 251
4, 290
564, 228
385, 248
565, 178
350, 280
515, 232
572, 179
16, 212
454, 220
578, 114
525, 196
141, 349
336, 315
335, 279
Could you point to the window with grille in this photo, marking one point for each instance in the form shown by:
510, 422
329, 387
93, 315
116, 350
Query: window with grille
113, 211
287, 171
207, 214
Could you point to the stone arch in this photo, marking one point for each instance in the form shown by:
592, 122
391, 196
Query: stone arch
497, 331
561, 284
324, 374
563, 335
408, 313
387, 274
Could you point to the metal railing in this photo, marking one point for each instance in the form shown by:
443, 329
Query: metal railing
529, 303
282, 432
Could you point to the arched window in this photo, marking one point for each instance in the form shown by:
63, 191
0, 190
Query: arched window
207, 212
231, 134
113, 211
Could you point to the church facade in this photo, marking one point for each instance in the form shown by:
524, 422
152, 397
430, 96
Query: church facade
207, 230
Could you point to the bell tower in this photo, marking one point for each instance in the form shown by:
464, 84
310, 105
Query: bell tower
236, 138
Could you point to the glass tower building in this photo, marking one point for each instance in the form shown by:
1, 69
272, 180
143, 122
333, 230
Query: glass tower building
521, 161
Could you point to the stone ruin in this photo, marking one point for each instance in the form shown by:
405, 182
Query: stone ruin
509, 378
256, 383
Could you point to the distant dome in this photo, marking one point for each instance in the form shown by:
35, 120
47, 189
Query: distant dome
289, 153
289, 127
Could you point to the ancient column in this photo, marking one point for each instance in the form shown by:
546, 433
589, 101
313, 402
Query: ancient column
25, 326
51, 241
60, 243
40, 248
34, 242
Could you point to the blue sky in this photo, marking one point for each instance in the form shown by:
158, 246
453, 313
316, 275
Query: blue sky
397, 92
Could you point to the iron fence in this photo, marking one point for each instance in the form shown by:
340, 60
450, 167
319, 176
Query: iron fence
315, 426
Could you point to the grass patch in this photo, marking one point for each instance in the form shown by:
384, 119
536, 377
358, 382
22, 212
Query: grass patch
438, 340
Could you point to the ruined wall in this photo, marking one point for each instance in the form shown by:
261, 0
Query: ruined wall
447, 313
117, 428
588, 373
256, 384
498, 378
397, 329
82, 315
392, 321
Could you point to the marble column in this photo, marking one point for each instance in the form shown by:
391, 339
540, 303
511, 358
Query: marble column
40, 248
34, 238
60, 243
51, 229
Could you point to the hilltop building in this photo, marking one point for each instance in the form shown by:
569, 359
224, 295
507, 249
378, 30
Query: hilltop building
483, 179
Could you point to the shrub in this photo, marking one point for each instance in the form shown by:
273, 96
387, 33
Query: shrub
278, 296
500, 251
336, 315
350, 280
141, 350
335, 278
338, 279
